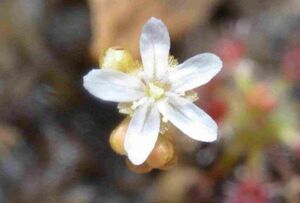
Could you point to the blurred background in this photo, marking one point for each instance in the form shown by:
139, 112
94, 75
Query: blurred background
54, 136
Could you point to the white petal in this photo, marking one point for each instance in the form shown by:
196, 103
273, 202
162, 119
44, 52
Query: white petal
155, 46
112, 85
194, 72
190, 119
142, 133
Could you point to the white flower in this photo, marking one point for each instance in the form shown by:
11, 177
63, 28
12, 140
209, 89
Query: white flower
158, 89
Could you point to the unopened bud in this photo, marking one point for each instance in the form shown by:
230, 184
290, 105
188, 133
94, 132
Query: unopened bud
119, 59
117, 137
161, 154
170, 164
143, 168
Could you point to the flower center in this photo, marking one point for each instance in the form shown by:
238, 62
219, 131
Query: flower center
155, 90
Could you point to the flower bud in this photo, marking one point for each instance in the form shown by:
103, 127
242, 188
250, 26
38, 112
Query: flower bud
119, 59
162, 153
117, 137
170, 164
143, 168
